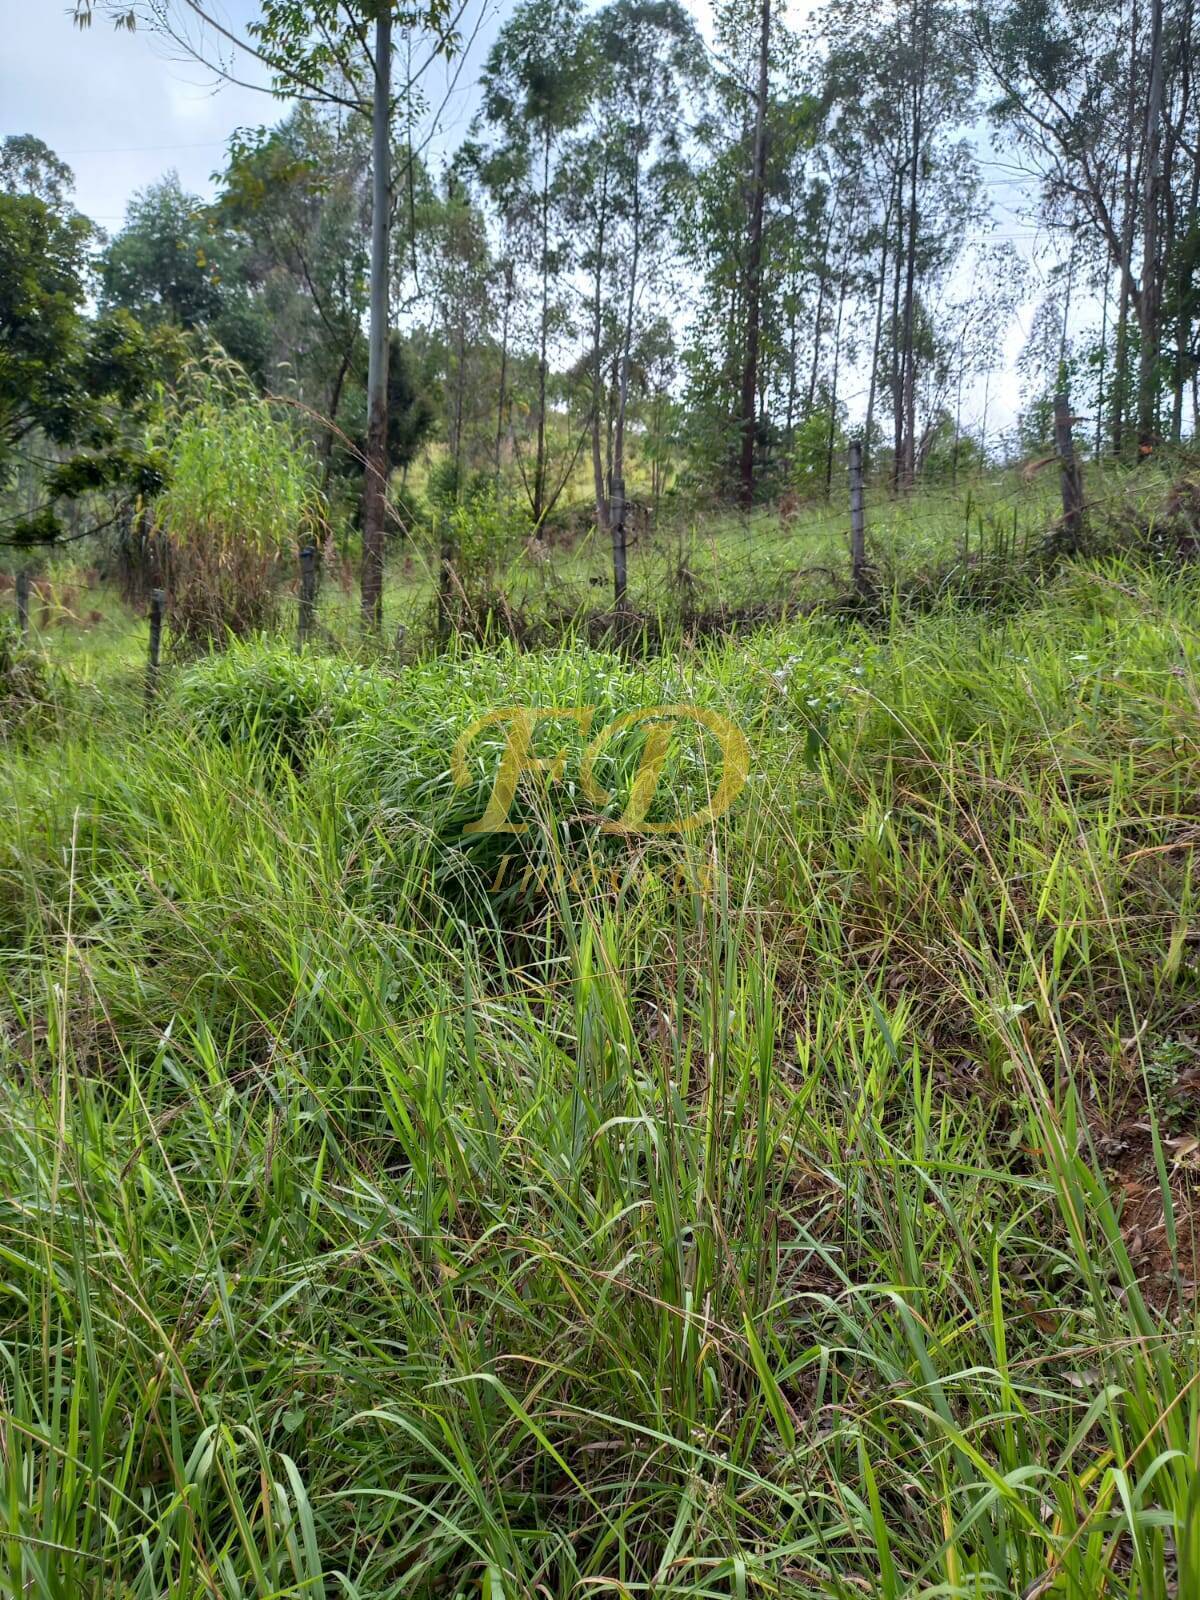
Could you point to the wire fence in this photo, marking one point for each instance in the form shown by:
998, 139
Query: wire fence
717, 562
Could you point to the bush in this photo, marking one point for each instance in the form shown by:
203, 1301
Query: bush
386, 748
261, 697
480, 538
242, 491
24, 681
811, 448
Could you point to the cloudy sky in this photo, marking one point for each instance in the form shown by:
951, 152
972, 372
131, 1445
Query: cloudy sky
114, 105
124, 108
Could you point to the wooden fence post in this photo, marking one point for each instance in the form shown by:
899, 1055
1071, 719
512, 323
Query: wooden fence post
447, 582
308, 592
158, 599
858, 523
22, 587
616, 517
1072, 477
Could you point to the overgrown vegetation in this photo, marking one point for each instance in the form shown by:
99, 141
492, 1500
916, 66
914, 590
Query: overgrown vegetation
242, 492
671, 1070
25, 691
804, 1209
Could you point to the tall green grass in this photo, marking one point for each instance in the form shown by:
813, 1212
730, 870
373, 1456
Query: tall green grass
816, 1224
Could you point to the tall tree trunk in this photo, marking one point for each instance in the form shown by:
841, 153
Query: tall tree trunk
1185, 321
1061, 380
872, 384
837, 354
908, 462
597, 374
908, 381
896, 375
627, 337
819, 320
754, 264
1103, 358
610, 421
1120, 382
375, 490
460, 396
500, 404
1149, 301
1173, 195
789, 432
616, 486
331, 411
1121, 353
539, 472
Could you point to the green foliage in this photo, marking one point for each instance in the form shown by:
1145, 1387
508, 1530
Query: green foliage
812, 1234
486, 530
42, 265
29, 166
412, 417
169, 264
292, 209
242, 489
161, 265
815, 438
258, 697
535, 79
444, 485
951, 455
316, 45
397, 767
63, 380
25, 690
239, 476
144, 473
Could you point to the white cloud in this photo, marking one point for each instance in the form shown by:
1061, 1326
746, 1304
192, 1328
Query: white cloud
115, 105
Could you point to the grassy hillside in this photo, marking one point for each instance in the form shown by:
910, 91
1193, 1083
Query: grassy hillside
797, 1205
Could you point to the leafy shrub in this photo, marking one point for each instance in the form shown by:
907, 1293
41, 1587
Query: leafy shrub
811, 450
479, 539
25, 690
264, 698
242, 491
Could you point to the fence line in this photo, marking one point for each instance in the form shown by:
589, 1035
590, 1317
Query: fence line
744, 561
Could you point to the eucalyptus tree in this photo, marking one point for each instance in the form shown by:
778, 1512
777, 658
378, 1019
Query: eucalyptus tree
972, 321
731, 221
1100, 98
336, 53
29, 166
593, 155
535, 86
901, 77
656, 63
296, 198
173, 263
459, 285
629, 161
754, 300
758, 195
